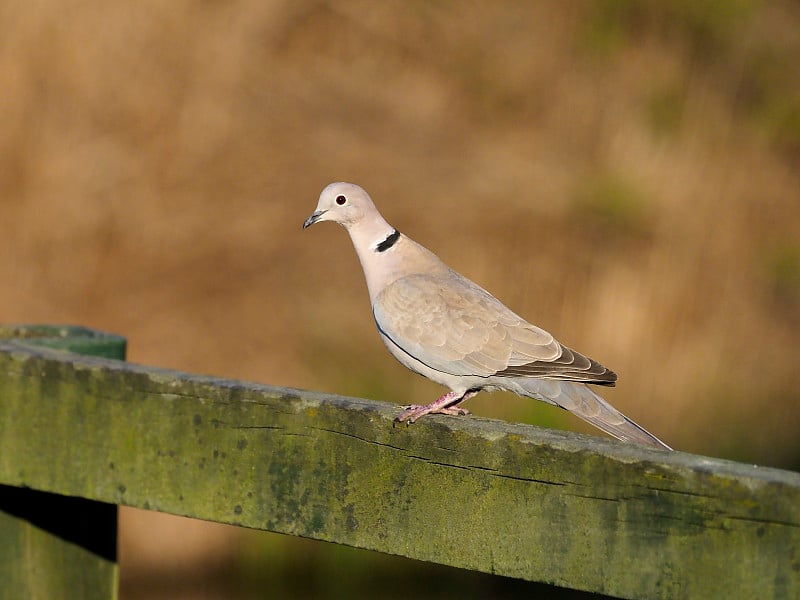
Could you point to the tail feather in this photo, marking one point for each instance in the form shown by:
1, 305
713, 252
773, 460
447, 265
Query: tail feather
581, 401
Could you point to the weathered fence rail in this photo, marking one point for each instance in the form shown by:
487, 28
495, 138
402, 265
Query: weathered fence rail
577, 511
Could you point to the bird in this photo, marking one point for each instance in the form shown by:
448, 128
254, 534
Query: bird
447, 328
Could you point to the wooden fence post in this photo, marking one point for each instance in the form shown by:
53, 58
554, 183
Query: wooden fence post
54, 546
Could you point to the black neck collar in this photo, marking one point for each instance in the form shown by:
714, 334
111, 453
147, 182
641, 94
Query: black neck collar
390, 241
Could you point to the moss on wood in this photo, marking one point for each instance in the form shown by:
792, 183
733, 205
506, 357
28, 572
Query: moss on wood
572, 510
54, 546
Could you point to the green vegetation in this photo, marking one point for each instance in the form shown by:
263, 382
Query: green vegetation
782, 266
611, 205
664, 109
708, 28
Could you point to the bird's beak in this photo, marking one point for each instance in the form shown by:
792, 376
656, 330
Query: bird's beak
315, 216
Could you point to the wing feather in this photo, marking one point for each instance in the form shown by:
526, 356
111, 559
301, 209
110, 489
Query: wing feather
454, 326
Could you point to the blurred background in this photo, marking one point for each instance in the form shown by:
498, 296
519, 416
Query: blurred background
623, 174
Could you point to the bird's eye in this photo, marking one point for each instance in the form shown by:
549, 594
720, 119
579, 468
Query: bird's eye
340, 200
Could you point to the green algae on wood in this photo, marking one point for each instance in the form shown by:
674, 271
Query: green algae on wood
54, 546
577, 511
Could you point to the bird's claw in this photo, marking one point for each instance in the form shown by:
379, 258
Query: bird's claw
413, 412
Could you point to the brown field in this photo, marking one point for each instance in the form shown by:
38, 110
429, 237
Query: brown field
625, 175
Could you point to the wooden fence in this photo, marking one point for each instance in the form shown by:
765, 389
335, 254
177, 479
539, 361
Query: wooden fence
80, 435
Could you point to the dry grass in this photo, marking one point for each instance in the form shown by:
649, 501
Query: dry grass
623, 174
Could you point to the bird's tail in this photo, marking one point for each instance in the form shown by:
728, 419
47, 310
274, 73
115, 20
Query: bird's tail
580, 400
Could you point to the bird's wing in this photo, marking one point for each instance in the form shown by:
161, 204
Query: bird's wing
454, 326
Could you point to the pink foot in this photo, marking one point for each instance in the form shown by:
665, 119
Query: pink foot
446, 405
415, 411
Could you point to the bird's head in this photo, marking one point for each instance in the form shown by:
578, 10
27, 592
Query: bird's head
343, 203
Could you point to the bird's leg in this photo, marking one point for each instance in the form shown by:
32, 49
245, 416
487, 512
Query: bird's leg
446, 405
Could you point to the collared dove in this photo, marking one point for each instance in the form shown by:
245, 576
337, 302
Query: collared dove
449, 329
